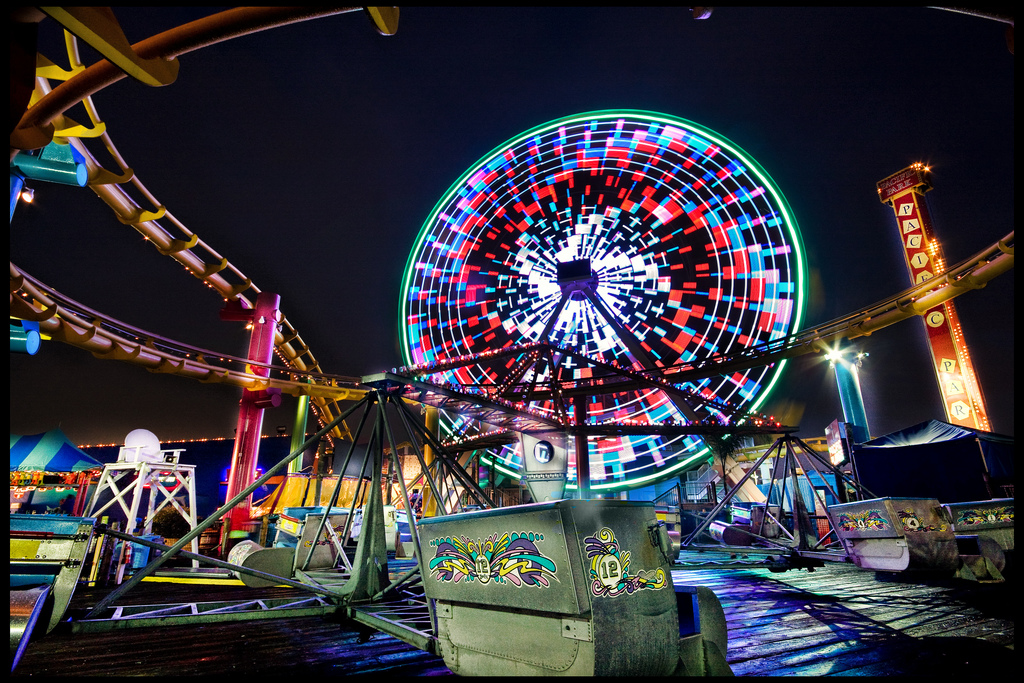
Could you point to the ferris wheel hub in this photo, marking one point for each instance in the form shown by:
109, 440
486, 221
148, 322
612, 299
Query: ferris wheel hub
575, 276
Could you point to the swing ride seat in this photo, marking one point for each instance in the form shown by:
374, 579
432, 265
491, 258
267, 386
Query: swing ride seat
896, 534
984, 535
991, 519
47, 556
570, 587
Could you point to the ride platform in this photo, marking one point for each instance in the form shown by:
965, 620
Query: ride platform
836, 620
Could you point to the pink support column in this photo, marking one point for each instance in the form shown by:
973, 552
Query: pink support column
250, 412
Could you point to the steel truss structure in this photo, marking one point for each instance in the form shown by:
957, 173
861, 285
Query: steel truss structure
364, 588
373, 589
800, 547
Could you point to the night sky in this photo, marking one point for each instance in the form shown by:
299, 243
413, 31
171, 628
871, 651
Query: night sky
310, 156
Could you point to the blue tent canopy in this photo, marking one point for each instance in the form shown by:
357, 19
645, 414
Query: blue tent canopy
937, 459
934, 431
49, 452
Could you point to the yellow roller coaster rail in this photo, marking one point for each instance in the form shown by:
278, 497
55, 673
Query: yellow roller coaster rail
972, 273
75, 324
45, 120
66, 320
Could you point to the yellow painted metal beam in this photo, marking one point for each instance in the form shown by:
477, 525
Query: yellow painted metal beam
98, 27
104, 342
385, 19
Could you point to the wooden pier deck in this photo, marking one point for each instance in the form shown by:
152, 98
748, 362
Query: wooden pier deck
840, 620
836, 620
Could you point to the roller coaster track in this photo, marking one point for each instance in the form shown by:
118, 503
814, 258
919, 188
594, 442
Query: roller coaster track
71, 322
45, 119
66, 320
970, 274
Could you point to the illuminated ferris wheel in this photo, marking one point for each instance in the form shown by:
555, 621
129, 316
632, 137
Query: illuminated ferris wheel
632, 237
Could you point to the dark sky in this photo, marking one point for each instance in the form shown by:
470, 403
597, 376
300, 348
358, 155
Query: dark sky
310, 156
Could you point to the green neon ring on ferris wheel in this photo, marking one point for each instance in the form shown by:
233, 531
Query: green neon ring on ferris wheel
697, 250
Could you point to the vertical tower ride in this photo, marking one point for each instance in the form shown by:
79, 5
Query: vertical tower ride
961, 393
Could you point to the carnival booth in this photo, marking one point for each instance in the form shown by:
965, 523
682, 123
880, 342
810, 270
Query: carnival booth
50, 474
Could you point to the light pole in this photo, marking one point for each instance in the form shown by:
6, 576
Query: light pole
850, 396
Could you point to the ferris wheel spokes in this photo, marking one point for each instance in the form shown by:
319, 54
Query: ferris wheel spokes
635, 239
578, 282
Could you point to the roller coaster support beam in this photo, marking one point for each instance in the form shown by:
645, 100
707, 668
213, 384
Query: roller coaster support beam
430, 499
25, 337
299, 431
55, 163
250, 413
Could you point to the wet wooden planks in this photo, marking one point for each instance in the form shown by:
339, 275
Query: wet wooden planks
308, 644
839, 620
298, 645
